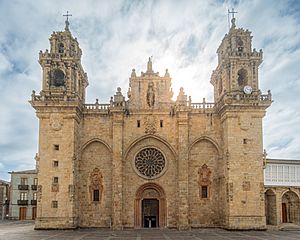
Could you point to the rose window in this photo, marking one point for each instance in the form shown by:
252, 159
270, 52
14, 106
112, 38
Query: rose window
150, 162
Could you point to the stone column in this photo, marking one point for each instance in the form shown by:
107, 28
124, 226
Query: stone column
279, 206
117, 184
183, 204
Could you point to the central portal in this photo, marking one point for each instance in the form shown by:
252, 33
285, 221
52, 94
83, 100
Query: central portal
150, 212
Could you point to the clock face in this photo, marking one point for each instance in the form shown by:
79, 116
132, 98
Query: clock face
248, 89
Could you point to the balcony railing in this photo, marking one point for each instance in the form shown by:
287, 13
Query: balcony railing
33, 202
33, 187
23, 187
22, 202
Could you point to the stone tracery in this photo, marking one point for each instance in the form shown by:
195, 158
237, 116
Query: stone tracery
150, 162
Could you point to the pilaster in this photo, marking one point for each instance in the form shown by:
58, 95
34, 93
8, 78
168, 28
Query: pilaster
183, 140
117, 184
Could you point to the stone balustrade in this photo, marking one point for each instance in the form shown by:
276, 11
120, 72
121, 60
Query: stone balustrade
202, 105
237, 97
47, 54
246, 54
97, 107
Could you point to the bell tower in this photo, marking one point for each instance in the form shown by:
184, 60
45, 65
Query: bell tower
238, 64
63, 75
241, 107
59, 108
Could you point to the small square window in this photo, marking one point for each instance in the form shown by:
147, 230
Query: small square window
96, 196
56, 147
204, 192
161, 123
54, 204
245, 141
55, 180
138, 123
55, 163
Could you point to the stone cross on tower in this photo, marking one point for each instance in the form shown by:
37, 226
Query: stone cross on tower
67, 20
232, 18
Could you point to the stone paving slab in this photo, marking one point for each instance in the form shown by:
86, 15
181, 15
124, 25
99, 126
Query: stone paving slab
16, 230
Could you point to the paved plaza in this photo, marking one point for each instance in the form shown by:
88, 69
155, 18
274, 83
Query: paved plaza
11, 230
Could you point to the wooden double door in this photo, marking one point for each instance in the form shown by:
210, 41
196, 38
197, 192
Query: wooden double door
150, 213
22, 213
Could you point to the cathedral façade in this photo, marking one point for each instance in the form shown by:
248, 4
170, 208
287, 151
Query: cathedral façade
146, 160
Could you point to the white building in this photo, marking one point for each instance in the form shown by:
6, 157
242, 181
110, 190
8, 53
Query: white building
23, 195
282, 191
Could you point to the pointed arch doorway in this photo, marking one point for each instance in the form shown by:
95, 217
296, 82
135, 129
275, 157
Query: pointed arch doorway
150, 207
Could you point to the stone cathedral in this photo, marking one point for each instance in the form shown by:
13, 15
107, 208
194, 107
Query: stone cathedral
145, 160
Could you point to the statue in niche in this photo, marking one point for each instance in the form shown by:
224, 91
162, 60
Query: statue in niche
204, 175
96, 182
150, 95
96, 178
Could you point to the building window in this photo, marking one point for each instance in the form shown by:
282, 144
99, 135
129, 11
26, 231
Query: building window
54, 204
96, 196
242, 78
23, 195
138, 123
34, 197
55, 163
24, 181
35, 181
56, 147
204, 192
161, 123
55, 180
61, 48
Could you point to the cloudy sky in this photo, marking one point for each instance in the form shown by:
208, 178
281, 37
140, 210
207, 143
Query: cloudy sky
116, 36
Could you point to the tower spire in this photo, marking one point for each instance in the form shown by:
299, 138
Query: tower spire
67, 20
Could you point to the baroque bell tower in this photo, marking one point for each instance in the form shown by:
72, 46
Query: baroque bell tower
237, 63
241, 107
63, 75
59, 107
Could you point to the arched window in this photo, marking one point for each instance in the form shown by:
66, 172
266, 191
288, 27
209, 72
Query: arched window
240, 44
242, 78
57, 78
61, 48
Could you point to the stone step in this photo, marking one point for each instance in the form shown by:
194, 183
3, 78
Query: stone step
289, 227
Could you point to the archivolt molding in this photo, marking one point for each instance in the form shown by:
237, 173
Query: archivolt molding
290, 190
271, 190
206, 138
154, 186
141, 139
95, 140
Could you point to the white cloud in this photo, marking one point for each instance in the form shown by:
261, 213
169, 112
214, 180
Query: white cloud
116, 36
